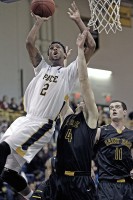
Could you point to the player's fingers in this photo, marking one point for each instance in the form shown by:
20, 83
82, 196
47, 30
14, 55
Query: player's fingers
75, 6
46, 18
79, 35
71, 11
32, 14
66, 48
70, 15
69, 52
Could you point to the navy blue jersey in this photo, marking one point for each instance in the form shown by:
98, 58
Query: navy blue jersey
114, 153
75, 144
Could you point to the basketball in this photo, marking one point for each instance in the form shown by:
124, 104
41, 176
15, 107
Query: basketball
43, 8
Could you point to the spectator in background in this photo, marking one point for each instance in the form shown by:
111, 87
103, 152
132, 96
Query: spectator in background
3, 127
73, 102
4, 103
48, 169
21, 106
130, 116
13, 105
103, 117
75, 98
6, 193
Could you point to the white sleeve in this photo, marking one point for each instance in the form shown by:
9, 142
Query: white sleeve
72, 74
41, 65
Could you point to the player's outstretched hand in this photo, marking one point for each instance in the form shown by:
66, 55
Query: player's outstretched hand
73, 12
81, 39
38, 18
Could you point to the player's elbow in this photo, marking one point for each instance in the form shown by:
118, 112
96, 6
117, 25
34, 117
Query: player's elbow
29, 43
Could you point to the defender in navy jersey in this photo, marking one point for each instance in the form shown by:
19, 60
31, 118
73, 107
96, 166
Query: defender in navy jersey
115, 162
43, 100
72, 179
74, 145
74, 155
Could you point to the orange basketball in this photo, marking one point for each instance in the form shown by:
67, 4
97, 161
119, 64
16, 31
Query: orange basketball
43, 8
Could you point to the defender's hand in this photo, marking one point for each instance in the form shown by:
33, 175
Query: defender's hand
74, 13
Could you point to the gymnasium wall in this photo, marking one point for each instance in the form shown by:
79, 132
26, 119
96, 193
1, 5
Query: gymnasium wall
115, 52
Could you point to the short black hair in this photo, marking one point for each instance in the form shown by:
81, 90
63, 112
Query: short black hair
122, 103
56, 42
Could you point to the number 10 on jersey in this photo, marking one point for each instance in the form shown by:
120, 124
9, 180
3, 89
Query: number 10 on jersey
118, 153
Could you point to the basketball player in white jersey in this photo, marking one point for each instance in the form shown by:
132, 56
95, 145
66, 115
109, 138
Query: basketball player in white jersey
43, 101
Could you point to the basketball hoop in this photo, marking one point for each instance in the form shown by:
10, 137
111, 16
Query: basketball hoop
105, 15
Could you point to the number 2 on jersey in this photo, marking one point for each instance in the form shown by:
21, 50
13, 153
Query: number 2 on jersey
43, 91
68, 135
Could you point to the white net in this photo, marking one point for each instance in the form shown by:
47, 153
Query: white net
105, 15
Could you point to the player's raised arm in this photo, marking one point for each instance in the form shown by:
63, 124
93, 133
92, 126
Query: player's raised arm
34, 53
90, 110
74, 14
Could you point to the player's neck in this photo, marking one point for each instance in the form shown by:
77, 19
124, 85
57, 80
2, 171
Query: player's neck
118, 125
56, 63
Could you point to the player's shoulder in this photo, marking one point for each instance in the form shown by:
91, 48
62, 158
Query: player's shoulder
106, 127
128, 130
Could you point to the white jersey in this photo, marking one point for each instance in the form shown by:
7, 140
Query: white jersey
43, 101
46, 92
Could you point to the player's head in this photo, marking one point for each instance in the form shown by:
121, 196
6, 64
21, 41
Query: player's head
118, 110
56, 52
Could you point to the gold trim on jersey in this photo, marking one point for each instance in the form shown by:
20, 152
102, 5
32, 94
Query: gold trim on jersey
20, 151
39, 191
36, 197
121, 180
119, 131
69, 173
66, 98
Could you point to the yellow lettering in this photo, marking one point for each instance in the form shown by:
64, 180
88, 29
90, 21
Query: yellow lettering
127, 143
68, 135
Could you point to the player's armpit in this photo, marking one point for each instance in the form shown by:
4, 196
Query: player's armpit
37, 59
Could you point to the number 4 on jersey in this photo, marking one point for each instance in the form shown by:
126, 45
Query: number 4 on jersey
68, 135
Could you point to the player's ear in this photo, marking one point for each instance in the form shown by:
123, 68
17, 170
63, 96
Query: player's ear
125, 112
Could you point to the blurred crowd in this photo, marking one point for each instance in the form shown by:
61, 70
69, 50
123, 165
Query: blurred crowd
40, 167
